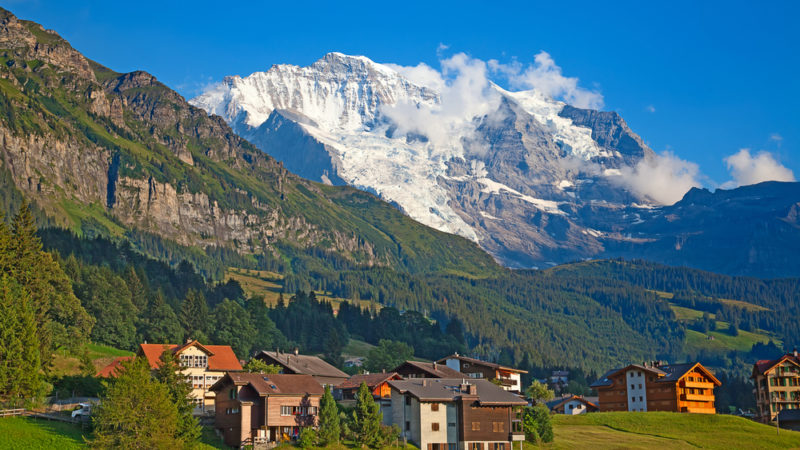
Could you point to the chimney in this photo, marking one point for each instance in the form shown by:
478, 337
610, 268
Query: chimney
434, 366
296, 351
795, 353
424, 382
188, 340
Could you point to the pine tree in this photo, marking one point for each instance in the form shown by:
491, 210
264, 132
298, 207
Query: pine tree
267, 334
367, 419
136, 412
232, 326
194, 316
160, 323
329, 428
20, 376
169, 373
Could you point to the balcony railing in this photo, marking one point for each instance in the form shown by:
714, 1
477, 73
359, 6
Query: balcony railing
697, 397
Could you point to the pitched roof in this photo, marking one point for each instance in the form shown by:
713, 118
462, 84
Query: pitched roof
666, 374
437, 371
479, 362
764, 365
304, 364
449, 389
220, 357
553, 404
372, 380
272, 384
111, 369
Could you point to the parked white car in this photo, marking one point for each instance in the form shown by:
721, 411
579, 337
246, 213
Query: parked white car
84, 409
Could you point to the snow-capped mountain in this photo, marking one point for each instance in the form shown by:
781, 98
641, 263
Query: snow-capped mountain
529, 178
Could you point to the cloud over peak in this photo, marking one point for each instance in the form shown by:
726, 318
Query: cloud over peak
546, 77
751, 169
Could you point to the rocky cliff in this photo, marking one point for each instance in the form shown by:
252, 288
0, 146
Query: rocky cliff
125, 152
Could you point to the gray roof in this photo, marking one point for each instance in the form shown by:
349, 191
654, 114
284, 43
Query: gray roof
435, 370
668, 373
277, 384
449, 389
479, 362
303, 364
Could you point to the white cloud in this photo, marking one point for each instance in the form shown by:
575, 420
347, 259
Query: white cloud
650, 108
464, 93
748, 169
663, 179
546, 77
775, 137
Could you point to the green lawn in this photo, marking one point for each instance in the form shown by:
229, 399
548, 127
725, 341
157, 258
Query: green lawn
666, 430
27, 433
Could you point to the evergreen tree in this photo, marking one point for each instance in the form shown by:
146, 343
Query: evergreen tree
194, 316
20, 376
136, 288
329, 428
160, 323
136, 412
267, 334
367, 418
60, 319
232, 326
170, 375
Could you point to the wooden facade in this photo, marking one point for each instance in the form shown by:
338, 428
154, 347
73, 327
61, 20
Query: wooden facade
679, 388
258, 408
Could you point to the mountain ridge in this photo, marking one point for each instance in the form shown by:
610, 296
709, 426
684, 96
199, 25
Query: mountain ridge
126, 152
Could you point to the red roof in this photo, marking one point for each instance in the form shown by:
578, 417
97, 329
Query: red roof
220, 357
111, 369
764, 365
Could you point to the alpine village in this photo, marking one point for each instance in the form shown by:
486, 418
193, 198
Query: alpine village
208, 274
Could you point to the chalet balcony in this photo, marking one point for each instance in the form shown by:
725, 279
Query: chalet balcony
698, 384
516, 436
697, 398
507, 382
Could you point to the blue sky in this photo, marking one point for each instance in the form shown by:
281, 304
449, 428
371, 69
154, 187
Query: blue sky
702, 81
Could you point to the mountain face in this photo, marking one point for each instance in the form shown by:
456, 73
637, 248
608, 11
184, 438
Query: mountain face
116, 152
533, 181
515, 179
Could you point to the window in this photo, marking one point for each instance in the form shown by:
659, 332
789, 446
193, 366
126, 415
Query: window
641, 399
476, 446
408, 425
497, 427
434, 406
639, 374
232, 394
435, 426
476, 426
408, 400
451, 424
633, 386
640, 386
286, 410
633, 399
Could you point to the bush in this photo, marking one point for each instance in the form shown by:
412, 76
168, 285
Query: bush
537, 424
308, 438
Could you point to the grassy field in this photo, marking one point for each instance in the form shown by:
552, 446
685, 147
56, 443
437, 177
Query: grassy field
722, 340
270, 284
31, 434
65, 363
26, 433
666, 430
